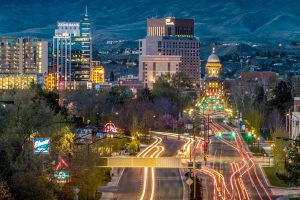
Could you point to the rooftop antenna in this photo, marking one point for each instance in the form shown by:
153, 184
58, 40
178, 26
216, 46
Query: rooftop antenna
214, 50
86, 11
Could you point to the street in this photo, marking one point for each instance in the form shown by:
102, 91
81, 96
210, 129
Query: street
168, 184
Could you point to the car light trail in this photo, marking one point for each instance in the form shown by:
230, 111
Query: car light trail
156, 153
233, 182
245, 192
143, 154
249, 164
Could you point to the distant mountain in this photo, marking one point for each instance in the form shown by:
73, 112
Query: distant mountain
222, 20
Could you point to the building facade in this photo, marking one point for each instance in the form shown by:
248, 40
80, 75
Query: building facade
213, 85
155, 66
22, 58
172, 37
213, 88
72, 53
97, 72
294, 127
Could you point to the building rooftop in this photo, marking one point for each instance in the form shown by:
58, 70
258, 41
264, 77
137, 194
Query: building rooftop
179, 38
213, 58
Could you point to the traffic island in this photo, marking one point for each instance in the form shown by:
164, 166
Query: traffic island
278, 187
274, 180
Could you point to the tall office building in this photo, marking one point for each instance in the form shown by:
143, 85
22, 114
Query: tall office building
22, 61
72, 53
171, 37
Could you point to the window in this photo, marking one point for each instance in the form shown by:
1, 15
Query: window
169, 31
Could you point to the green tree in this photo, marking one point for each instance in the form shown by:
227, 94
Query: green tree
293, 163
177, 88
133, 147
254, 120
145, 95
279, 150
30, 116
282, 97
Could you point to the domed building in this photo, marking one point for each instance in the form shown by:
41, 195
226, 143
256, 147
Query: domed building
213, 86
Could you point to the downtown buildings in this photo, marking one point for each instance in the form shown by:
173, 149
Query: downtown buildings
169, 47
71, 55
63, 64
23, 61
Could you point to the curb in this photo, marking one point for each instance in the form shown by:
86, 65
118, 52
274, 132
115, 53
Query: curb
185, 193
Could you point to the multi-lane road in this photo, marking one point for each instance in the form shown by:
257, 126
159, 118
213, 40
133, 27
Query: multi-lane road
230, 172
149, 183
241, 177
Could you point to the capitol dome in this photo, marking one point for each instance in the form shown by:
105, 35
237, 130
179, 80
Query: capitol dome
213, 58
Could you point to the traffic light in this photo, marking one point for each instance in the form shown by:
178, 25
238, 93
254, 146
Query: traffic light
233, 134
219, 135
198, 165
249, 136
190, 165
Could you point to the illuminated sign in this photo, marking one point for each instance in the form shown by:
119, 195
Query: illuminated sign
169, 21
41, 145
101, 134
61, 173
62, 176
110, 128
68, 24
82, 39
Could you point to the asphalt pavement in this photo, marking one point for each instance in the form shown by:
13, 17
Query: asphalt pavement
168, 181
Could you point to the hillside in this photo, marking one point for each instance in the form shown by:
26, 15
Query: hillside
222, 20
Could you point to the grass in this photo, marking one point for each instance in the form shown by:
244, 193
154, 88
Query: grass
273, 178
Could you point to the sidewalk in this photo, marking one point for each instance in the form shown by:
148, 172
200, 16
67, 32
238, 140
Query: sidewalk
111, 187
116, 174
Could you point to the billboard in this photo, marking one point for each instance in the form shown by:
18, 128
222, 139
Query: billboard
41, 145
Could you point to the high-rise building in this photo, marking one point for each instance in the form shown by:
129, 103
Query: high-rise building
72, 53
22, 60
172, 37
23, 56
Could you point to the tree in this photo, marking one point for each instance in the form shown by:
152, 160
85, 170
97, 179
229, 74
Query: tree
177, 88
112, 76
145, 95
255, 120
4, 191
279, 150
32, 115
260, 98
293, 163
282, 97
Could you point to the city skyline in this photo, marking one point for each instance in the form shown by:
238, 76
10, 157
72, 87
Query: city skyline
237, 23
149, 100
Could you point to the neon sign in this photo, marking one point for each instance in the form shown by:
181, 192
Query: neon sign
110, 128
62, 176
61, 173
